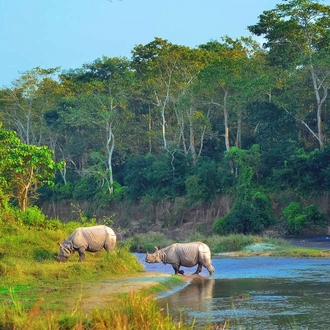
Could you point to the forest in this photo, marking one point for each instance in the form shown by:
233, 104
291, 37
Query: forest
246, 118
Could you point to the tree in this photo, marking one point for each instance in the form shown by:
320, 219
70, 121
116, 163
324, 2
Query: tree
103, 107
252, 211
24, 167
170, 71
297, 36
24, 105
232, 80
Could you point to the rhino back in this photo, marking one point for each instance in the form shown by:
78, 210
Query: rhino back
185, 254
91, 238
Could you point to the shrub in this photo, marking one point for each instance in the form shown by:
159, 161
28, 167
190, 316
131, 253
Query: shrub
33, 216
299, 218
248, 216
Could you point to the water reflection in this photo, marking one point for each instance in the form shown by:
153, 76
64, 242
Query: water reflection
257, 293
200, 293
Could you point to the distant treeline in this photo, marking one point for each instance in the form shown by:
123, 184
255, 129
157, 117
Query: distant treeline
227, 117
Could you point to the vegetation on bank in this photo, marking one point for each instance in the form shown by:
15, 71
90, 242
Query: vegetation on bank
38, 292
233, 244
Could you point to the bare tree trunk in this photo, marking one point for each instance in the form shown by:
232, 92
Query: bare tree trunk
225, 116
239, 131
150, 128
192, 135
110, 147
319, 102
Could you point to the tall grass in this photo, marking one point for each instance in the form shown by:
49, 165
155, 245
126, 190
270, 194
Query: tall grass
234, 242
147, 242
36, 292
132, 312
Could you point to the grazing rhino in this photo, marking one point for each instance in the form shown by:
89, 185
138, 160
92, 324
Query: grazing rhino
183, 254
91, 239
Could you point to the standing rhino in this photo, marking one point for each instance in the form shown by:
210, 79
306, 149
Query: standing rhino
184, 254
91, 239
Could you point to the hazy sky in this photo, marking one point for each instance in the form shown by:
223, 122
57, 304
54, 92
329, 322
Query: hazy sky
68, 33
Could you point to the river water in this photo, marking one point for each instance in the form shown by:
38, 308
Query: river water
253, 293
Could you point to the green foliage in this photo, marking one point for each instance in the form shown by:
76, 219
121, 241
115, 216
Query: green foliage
110, 118
133, 311
299, 218
147, 242
160, 178
247, 216
136, 176
23, 167
119, 262
205, 181
63, 191
252, 212
233, 242
32, 216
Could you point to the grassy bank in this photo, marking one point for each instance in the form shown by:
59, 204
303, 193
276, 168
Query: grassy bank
37, 292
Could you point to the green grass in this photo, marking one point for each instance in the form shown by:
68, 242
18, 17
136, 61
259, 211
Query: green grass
37, 292
230, 243
134, 311
293, 251
146, 242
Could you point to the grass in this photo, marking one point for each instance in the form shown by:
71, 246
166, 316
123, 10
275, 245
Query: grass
146, 242
36, 292
134, 311
293, 251
236, 243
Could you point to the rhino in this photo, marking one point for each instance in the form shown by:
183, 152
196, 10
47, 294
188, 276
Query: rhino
183, 254
91, 239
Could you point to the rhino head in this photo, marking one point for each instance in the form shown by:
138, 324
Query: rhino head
157, 256
66, 249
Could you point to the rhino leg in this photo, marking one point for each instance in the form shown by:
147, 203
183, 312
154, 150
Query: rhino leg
176, 268
199, 269
81, 252
210, 268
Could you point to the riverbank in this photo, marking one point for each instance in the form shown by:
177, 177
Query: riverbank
103, 293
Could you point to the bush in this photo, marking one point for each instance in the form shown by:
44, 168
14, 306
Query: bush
299, 218
32, 216
247, 216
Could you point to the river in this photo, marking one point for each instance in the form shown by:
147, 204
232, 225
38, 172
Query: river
253, 293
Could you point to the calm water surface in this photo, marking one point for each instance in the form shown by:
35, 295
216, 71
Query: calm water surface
254, 293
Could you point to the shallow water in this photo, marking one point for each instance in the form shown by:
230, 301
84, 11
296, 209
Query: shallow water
254, 293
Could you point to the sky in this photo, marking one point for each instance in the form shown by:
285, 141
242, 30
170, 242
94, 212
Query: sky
69, 33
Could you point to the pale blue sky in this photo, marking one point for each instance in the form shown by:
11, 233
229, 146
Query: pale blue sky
68, 33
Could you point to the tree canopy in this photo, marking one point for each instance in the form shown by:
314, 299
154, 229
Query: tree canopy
174, 121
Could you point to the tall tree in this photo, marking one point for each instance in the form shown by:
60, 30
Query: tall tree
232, 80
103, 106
171, 71
33, 93
297, 38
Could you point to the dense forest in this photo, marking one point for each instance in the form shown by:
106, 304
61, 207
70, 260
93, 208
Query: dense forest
231, 117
